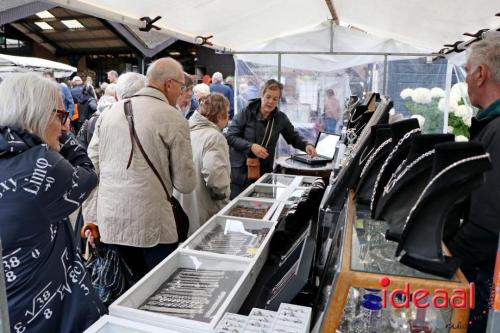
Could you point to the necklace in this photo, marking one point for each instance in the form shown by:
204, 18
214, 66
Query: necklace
396, 177
435, 178
372, 156
394, 150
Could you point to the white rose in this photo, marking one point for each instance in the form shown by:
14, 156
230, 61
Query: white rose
458, 91
467, 121
420, 118
422, 96
452, 105
406, 93
462, 111
450, 129
460, 138
437, 92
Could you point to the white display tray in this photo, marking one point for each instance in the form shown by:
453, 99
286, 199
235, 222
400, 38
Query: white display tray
265, 191
269, 205
127, 306
279, 179
110, 324
231, 225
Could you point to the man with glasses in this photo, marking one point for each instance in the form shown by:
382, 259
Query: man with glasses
185, 98
130, 205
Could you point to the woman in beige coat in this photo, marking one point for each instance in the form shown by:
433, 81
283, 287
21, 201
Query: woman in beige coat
211, 161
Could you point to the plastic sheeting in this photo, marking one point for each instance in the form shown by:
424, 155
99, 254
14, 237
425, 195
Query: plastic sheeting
12, 64
317, 39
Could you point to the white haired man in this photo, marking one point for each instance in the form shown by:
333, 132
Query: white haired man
130, 205
219, 86
112, 76
476, 241
199, 91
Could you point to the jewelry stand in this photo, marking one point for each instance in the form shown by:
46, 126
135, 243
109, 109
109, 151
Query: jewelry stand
458, 169
401, 133
374, 161
407, 182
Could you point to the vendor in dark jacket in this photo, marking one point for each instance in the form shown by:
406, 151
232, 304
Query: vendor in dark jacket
255, 131
476, 241
44, 176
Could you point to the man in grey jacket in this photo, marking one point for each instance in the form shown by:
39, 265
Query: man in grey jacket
130, 205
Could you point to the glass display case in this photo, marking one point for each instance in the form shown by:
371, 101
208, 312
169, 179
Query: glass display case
110, 324
370, 273
186, 292
213, 271
251, 208
264, 191
231, 236
276, 179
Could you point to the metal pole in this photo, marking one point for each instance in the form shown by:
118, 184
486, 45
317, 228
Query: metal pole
142, 65
386, 77
403, 54
449, 72
331, 35
279, 67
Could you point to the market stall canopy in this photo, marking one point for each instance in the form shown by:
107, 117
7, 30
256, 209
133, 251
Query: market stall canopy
238, 25
317, 39
424, 23
12, 64
234, 24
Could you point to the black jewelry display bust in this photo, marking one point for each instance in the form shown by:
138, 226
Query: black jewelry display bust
401, 132
372, 162
458, 169
407, 182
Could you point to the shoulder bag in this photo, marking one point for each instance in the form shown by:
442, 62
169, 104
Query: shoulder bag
180, 216
253, 163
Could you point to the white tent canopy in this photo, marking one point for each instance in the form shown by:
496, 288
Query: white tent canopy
10, 64
318, 40
424, 23
240, 25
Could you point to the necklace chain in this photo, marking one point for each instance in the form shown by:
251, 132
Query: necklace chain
435, 178
396, 176
394, 150
372, 156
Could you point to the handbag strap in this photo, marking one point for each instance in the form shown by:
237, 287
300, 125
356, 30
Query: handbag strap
133, 137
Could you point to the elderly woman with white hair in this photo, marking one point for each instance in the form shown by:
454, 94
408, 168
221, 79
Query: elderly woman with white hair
199, 91
126, 86
211, 161
45, 176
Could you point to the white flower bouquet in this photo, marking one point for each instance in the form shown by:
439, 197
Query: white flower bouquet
431, 104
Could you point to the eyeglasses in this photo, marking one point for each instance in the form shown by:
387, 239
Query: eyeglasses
182, 84
62, 115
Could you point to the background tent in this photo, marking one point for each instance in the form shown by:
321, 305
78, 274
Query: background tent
13, 64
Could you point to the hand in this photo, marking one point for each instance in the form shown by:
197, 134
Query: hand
310, 150
90, 239
259, 151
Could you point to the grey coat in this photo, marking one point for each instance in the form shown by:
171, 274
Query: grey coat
211, 163
248, 128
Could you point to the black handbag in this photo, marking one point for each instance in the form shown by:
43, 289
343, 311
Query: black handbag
180, 216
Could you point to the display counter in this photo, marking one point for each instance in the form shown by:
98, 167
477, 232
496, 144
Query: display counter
368, 266
213, 271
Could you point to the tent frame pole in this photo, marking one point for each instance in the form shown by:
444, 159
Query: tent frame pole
403, 54
279, 67
386, 77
